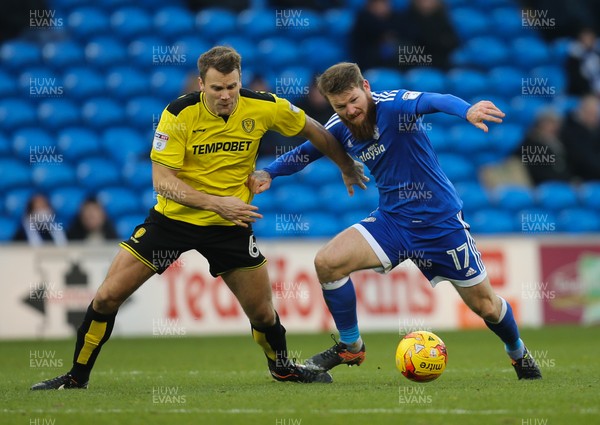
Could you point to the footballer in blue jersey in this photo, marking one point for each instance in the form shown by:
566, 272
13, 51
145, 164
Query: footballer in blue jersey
419, 214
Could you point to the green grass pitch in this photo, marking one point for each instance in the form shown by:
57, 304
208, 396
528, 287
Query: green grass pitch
223, 380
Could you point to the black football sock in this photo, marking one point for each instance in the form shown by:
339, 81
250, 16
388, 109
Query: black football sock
272, 340
91, 335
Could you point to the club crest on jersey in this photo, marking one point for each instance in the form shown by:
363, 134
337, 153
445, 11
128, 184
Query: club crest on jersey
160, 141
248, 125
138, 234
411, 95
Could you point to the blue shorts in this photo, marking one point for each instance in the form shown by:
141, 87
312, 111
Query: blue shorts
445, 251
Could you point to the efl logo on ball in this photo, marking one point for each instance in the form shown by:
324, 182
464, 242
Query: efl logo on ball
421, 356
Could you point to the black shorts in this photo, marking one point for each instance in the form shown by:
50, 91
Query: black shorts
160, 240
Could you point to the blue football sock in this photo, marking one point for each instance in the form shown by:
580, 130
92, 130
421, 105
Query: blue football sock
506, 328
341, 301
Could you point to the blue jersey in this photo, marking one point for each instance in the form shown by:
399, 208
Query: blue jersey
412, 186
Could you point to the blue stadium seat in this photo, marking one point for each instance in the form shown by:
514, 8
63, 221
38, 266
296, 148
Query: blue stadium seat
276, 53
68, 4
513, 198
589, 195
47, 175
173, 21
8, 228
321, 225
457, 168
63, 54
469, 138
473, 195
124, 82
319, 53
168, 82
20, 54
7, 85
214, 23
321, 172
138, 174
506, 138
32, 144
16, 113
296, 198
13, 174
95, 173
334, 198
144, 111
510, 20
301, 23
556, 196
15, 202
126, 224
4, 145
119, 201
426, 79
266, 202
130, 22
86, 22
486, 52
268, 227
536, 221
559, 50
244, 46
124, 144
76, 143
257, 24
83, 82
141, 51
438, 135
114, 5
526, 108
529, 52
506, 81
384, 79
188, 49
105, 51
101, 112
58, 113
578, 220
39, 82
338, 22
469, 23
555, 77
467, 83
148, 198
491, 221
66, 201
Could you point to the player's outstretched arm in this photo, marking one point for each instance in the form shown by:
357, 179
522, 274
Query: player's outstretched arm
326, 143
167, 184
484, 111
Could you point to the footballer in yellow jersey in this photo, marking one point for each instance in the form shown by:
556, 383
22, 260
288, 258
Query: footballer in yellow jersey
215, 154
204, 149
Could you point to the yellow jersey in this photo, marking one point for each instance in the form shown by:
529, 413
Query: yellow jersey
215, 154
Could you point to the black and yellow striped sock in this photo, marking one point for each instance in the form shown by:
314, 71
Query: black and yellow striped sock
91, 335
273, 342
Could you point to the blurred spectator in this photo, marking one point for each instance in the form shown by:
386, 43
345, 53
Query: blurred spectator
542, 152
427, 25
559, 18
319, 5
15, 17
581, 136
235, 5
315, 105
91, 224
583, 64
375, 37
39, 225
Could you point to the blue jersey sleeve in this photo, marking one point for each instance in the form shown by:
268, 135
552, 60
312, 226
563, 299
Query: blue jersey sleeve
293, 161
429, 103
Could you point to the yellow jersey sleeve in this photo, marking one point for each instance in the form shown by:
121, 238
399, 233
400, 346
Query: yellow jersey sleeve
169, 144
289, 120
